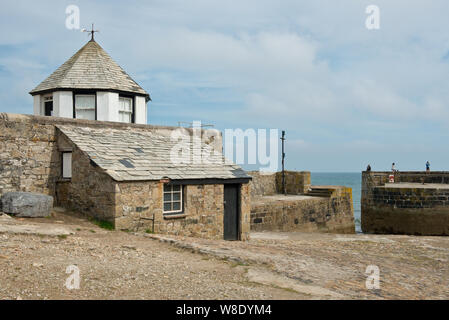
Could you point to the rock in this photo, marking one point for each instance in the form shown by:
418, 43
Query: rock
26, 204
4, 216
128, 246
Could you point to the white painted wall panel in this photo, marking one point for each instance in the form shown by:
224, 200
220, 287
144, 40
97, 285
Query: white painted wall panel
141, 110
107, 106
67, 165
37, 105
63, 104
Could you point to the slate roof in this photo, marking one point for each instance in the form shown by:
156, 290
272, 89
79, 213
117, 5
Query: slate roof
90, 68
132, 154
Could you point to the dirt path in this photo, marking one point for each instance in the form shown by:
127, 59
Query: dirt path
116, 265
330, 266
119, 265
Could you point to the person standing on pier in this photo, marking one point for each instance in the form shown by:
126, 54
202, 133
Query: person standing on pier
427, 166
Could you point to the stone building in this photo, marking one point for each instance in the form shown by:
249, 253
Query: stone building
90, 85
88, 146
139, 177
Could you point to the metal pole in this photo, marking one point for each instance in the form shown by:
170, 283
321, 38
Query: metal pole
284, 191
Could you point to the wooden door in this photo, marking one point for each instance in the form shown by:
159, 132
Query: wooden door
231, 211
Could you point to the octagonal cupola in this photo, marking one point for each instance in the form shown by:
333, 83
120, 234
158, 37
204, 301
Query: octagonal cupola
90, 85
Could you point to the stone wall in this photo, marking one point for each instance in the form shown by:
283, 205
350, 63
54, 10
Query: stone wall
29, 160
136, 202
262, 184
304, 213
245, 211
90, 190
408, 206
296, 182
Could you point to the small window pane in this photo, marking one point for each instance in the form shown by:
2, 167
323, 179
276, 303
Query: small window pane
172, 199
85, 102
85, 114
85, 107
125, 117
125, 109
176, 206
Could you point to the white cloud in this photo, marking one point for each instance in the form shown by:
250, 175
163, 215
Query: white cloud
309, 67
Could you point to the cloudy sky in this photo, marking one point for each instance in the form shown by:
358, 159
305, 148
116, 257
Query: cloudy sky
346, 96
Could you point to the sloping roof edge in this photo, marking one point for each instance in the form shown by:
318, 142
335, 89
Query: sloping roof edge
107, 148
90, 67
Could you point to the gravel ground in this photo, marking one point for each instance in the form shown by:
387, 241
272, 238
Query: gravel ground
117, 265
410, 267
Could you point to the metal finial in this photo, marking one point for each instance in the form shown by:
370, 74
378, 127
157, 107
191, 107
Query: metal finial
92, 32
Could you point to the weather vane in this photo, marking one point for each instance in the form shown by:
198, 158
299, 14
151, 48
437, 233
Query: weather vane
92, 31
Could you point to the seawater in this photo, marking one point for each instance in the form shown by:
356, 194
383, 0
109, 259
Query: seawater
348, 179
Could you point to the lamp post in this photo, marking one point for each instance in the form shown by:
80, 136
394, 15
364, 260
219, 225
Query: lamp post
284, 191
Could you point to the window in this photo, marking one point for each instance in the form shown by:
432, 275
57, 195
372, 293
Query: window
48, 106
85, 107
67, 165
172, 199
125, 109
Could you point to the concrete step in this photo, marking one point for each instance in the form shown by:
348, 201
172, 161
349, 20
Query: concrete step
319, 192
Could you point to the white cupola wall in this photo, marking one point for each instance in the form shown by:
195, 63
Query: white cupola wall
95, 105
90, 85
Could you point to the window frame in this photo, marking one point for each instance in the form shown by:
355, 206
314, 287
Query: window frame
46, 98
131, 112
84, 93
62, 165
181, 199
133, 106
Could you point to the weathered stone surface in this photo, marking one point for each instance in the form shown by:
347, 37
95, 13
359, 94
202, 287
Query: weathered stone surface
271, 211
26, 204
304, 213
29, 160
296, 182
265, 184
14, 226
417, 203
413, 267
202, 216
262, 184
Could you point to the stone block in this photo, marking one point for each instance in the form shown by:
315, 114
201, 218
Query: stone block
27, 204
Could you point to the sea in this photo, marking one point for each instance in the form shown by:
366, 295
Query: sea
348, 179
